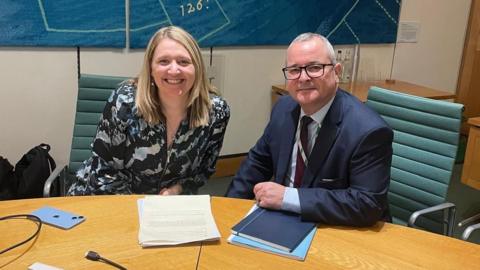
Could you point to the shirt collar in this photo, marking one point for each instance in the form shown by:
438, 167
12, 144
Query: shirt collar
320, 114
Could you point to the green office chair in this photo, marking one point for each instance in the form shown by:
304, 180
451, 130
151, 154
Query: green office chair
93, 93
426, 136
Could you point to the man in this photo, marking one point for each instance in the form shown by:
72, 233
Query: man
335, 168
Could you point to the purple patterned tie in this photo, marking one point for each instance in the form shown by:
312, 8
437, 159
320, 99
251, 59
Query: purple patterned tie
300, 167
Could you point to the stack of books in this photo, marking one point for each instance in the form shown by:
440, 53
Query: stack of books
278, 232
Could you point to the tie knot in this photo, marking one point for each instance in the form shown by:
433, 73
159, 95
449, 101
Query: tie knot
306, 120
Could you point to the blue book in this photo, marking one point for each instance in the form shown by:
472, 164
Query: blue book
299, 253
279, 229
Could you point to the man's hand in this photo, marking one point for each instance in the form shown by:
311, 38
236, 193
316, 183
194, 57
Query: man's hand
173, 190
269, 195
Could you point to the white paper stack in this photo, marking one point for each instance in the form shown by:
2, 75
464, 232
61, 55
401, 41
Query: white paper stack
174, 220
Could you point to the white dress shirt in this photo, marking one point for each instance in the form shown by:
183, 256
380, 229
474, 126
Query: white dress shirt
291, 201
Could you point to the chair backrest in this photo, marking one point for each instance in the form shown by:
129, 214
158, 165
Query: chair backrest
426, 137
93, 93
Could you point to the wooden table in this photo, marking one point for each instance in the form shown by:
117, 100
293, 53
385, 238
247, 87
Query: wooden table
360, 89
471, 165
111, 229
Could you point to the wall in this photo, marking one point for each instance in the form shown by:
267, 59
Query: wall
435, 60
38, 92
37, 97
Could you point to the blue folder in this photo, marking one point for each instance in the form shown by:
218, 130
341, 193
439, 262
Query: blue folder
278, 229
299, 253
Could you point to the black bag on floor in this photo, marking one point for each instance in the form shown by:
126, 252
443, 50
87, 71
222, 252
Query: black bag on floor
32, 171
7, 180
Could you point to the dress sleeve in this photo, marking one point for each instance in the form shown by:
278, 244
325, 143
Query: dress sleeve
215, 141
104, 172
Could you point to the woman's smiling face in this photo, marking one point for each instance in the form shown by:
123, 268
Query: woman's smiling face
172, 68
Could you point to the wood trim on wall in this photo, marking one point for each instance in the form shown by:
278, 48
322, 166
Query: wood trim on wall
228, 165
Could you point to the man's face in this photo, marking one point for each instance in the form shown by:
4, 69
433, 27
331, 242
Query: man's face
312, 93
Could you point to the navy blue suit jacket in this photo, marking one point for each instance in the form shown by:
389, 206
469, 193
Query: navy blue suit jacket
348, 173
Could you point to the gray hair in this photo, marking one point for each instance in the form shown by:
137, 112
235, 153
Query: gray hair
308, 36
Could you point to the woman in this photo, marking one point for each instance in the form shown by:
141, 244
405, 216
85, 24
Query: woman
161, 132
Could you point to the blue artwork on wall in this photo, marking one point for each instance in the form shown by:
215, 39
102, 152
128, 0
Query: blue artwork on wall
64, 23
93, 23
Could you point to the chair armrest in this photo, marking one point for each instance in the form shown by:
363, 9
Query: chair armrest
58, 173
469, 220
466, 233
440, 207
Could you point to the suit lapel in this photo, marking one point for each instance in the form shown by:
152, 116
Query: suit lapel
325, 139
289, 128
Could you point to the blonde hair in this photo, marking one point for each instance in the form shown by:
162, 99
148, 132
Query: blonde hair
147, 99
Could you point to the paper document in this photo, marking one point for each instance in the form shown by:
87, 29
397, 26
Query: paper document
173, 220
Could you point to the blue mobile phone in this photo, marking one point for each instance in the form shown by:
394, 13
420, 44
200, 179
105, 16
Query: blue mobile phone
58, 218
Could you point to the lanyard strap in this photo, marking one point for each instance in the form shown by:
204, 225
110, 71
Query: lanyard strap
302, 151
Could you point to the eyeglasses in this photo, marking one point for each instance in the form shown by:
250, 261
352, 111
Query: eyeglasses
312, 70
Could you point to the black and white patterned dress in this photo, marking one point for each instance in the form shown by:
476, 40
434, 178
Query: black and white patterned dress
130, 156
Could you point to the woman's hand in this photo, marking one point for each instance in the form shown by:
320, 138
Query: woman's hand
173, 190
